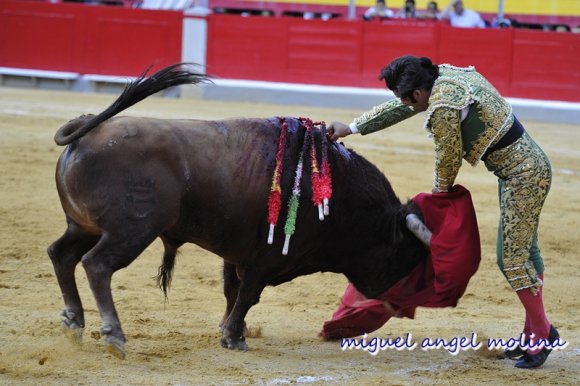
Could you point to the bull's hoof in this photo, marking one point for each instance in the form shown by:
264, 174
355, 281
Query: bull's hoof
74, 335
72, 328
71, 320
115, 346
232, 344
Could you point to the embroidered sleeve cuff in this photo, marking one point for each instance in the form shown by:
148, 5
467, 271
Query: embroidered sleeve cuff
353, 128
441, 184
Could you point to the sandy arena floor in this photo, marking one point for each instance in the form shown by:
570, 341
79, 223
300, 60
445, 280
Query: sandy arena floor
177, 343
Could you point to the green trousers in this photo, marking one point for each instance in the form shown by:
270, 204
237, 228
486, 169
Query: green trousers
524, 178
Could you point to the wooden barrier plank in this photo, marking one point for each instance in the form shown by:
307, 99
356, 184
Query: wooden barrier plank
87, 39
546, 65
37, 36
489, 50
383, 42
120, 41
247, 47
324, 52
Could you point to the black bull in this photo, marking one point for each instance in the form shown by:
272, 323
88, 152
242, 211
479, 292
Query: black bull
125, 181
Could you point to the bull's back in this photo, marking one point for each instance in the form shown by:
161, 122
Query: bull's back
200, 180
230, 170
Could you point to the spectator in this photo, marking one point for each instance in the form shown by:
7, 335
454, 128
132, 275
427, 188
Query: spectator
380, 10
408, 11
460, 17
432, 12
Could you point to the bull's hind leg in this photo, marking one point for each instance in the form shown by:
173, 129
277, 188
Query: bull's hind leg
65, 253
109, 255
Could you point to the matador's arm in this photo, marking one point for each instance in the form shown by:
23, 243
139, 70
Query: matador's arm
446, 128
381, 117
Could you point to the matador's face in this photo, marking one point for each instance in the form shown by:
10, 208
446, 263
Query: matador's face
418, 101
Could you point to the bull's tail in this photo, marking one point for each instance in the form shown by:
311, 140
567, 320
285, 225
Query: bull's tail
134, 92
165, 273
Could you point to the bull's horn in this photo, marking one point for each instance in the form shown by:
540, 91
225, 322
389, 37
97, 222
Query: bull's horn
419, 229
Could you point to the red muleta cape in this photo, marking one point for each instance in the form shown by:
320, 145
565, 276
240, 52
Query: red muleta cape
438, 281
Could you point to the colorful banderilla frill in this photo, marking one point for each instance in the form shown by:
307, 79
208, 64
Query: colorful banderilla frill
294, 201
320, 179
275, 199
319, 176
323, 187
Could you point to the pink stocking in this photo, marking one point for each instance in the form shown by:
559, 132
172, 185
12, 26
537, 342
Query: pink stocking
536, 319
527, 327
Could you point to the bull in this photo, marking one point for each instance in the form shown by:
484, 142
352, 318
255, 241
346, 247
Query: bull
124, 181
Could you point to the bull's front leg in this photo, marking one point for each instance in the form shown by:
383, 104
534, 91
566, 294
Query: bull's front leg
231, 289
251, 288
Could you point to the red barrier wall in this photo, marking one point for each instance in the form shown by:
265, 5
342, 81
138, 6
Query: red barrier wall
383, 42
87, 39
119, 41
520, 63
249, 50
546, 65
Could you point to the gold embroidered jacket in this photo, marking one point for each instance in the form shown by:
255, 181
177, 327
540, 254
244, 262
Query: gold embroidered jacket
488, 119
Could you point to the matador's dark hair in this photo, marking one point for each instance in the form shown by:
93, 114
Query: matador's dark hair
409, 73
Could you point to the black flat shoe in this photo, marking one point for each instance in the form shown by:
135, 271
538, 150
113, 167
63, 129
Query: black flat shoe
532, 361
536, 360
514, 354
553, 335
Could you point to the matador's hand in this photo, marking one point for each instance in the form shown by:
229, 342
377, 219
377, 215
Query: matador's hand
337, 130
436, 190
